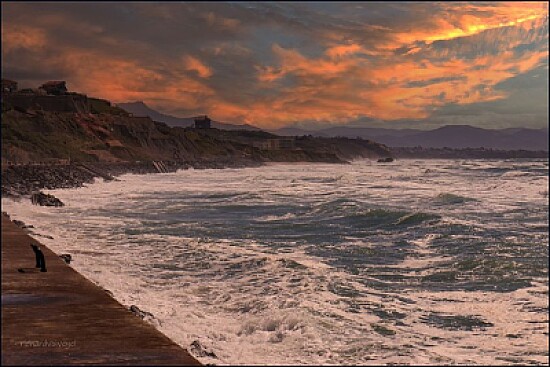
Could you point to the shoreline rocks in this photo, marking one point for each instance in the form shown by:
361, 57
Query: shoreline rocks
21, 224
39, 198
140, 313
197, 349
27, 180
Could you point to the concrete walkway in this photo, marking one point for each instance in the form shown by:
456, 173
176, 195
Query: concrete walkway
60, 318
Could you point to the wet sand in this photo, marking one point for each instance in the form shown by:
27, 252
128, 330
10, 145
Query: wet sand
59, 317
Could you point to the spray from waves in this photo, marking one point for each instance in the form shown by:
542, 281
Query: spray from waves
274, 218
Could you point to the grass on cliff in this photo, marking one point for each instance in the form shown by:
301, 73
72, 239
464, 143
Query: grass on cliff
42, 138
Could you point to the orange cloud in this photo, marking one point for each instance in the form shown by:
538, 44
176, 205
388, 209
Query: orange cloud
461, 22
119, 79
344, 50
292, 62
342, 85
193, 64
405, 87
17, 36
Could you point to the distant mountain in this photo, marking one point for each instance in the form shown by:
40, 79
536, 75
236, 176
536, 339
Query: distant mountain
464, 136
141, 109
348, 132
451, 136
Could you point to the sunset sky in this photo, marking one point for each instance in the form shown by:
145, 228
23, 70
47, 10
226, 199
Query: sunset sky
372, 64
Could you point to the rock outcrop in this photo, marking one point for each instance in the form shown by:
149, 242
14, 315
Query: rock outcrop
66, 257
39, 198
197, 349
140, 313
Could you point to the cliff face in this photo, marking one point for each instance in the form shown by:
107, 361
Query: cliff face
102, 137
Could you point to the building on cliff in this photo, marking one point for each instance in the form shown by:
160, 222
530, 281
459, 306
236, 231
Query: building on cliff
51, 96
202, 122
9, 86
55, 87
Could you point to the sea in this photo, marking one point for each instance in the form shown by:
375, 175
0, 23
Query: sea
408, 262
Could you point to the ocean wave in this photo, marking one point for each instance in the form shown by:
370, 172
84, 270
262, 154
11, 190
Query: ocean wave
353, 213
416, 218
516, 174
321, 179
335, 205
451, 199
274, 218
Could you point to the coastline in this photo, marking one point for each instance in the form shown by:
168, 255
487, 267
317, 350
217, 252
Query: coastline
24, 179
59, 317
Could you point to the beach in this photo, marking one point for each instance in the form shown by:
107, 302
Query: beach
60, 318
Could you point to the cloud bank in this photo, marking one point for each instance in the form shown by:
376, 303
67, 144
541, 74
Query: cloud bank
415, 65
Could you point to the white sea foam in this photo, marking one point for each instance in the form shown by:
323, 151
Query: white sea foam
277, 285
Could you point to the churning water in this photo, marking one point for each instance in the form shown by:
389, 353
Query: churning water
415, 261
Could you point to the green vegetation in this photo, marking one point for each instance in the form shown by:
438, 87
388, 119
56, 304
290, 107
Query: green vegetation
40, 138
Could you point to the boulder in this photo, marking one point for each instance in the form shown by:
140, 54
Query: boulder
143, 314
198, 350
39, 198
19, 223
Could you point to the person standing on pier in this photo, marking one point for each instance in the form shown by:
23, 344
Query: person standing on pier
40, 260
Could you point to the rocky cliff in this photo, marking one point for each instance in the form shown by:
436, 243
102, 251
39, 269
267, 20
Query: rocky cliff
106, 137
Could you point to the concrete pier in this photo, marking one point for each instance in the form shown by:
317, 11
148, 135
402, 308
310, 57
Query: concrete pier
59, 317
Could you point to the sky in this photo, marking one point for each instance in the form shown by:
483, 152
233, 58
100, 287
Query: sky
305, 64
